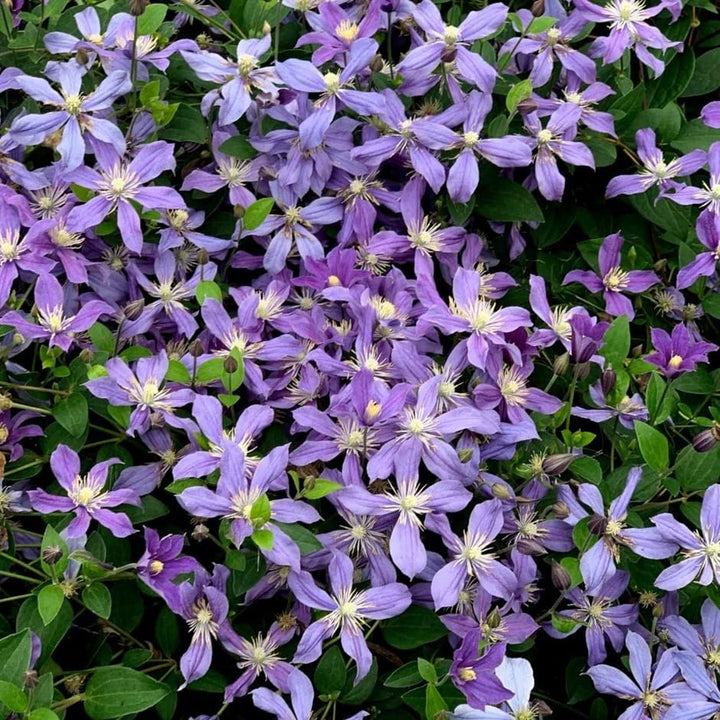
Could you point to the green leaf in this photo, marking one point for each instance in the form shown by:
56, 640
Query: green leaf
15, 651
136, 658
237, 147
187, 125
616, 345
320, 488
151, 19
117, 691
72, 414
12, 697
330, 674
697, 471
666, 122
563, 624
208, 289
301, 536
695, 135
43, 713
506, 201
655, 391
540, 25
263, 539
102, 338
50, 600
653, 446
434, 703
415, 627
427, 671
256, 213
178, 373
706, 78
403, 677
672, 83
210, 371
260, 511
358, 694
96, 598
150, 93
518, 92
588, 469
50, 635
167, 631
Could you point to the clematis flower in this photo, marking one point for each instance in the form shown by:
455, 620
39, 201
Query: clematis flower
555, 140
301, 698
656, 171
629, 409
710, 114
706, 263
678, 352
56, 322
348, 611
613, 281
474, 671
74, 115
117, 184
85, 495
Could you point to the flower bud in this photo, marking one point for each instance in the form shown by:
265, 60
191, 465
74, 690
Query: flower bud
377, 64
707, 439
607, 381
196, 349
530, 547
5, 402
537, 8
82, 57
465, 454
203, 258
30, 680
200, 532
266, 28
239, 211
658, 610
526, 106
500, 491
582, 370
560, 577
133, 309
493, 619
558, 464
560, 510
561, 364
137, 7
230, 365
86, 355
52, 554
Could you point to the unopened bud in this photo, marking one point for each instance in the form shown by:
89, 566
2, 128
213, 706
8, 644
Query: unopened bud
74, 683
560, 510
493, 619
560, 577
82, 57
526, 106
465, 455
537, 8
500, 491
658, 610
30, 679
449, 54
266, 28
607, 381
530, 547
582, 370
196, 349
203, 258
597, 524
5, 402
204, 41
377, 64
558, 464
200, 532
707, 439
137, 7
230, 365
86, 355
52, 554
239, 211
561, 364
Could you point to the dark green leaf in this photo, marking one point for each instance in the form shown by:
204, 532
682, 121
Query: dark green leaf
256, 213
695, 135
50, 600
117, 691
151, 19
358, 694
330, 674
415, 627
616, 345
506, 201
237, 147
15, 651
706, 78
403, 677
97, 599
72, 414
653, 446
50, 635
301, 536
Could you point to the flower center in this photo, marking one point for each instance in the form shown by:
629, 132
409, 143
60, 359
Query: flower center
332, 81
470, 138
553, 35
73, 103
156, 567
544, 137
616, 280
246, 64
451, 35
675, 361
347, 30
467, 674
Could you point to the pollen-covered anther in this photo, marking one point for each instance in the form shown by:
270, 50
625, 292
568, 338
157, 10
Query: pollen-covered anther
347, 30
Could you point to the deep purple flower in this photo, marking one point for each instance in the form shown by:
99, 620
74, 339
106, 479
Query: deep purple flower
473, 672
613, 281
678, 352
706, 263
348, 611
629, 409
85, 495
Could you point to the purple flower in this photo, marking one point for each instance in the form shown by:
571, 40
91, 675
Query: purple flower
707, 196
651, 690
557, 319
473, 671
705, 264
142, 390
710, 114
117, 184
73, 114
701, 551
586, 338
471, 556
613, 281
348, 611
655, 170
85, 495
56, 322
678, 352
626, 411
301, 697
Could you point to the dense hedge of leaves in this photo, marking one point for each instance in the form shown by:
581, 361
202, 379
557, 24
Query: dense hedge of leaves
358, 359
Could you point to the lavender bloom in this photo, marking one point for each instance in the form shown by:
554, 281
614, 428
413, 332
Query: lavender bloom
707, 196
443, 40
705, 264
703, 641
706, 701
235, 498
117, 184
74, 114
602, 619
464, 176
142, 390
516, 676
586, 338
710, 114
56, 323
556, 140
471, 556
655, 170
701, 551
628, 29
347, 610
85, 495
301, 697
161, 563
204, 606
557, 319
13, 431
236, 78
410, 501
473, 672
652, 690
613, 281
626, 411
678, 352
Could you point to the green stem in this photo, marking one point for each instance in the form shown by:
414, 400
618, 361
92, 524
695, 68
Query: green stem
21, 406
7, 573
25, 565
33, 388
